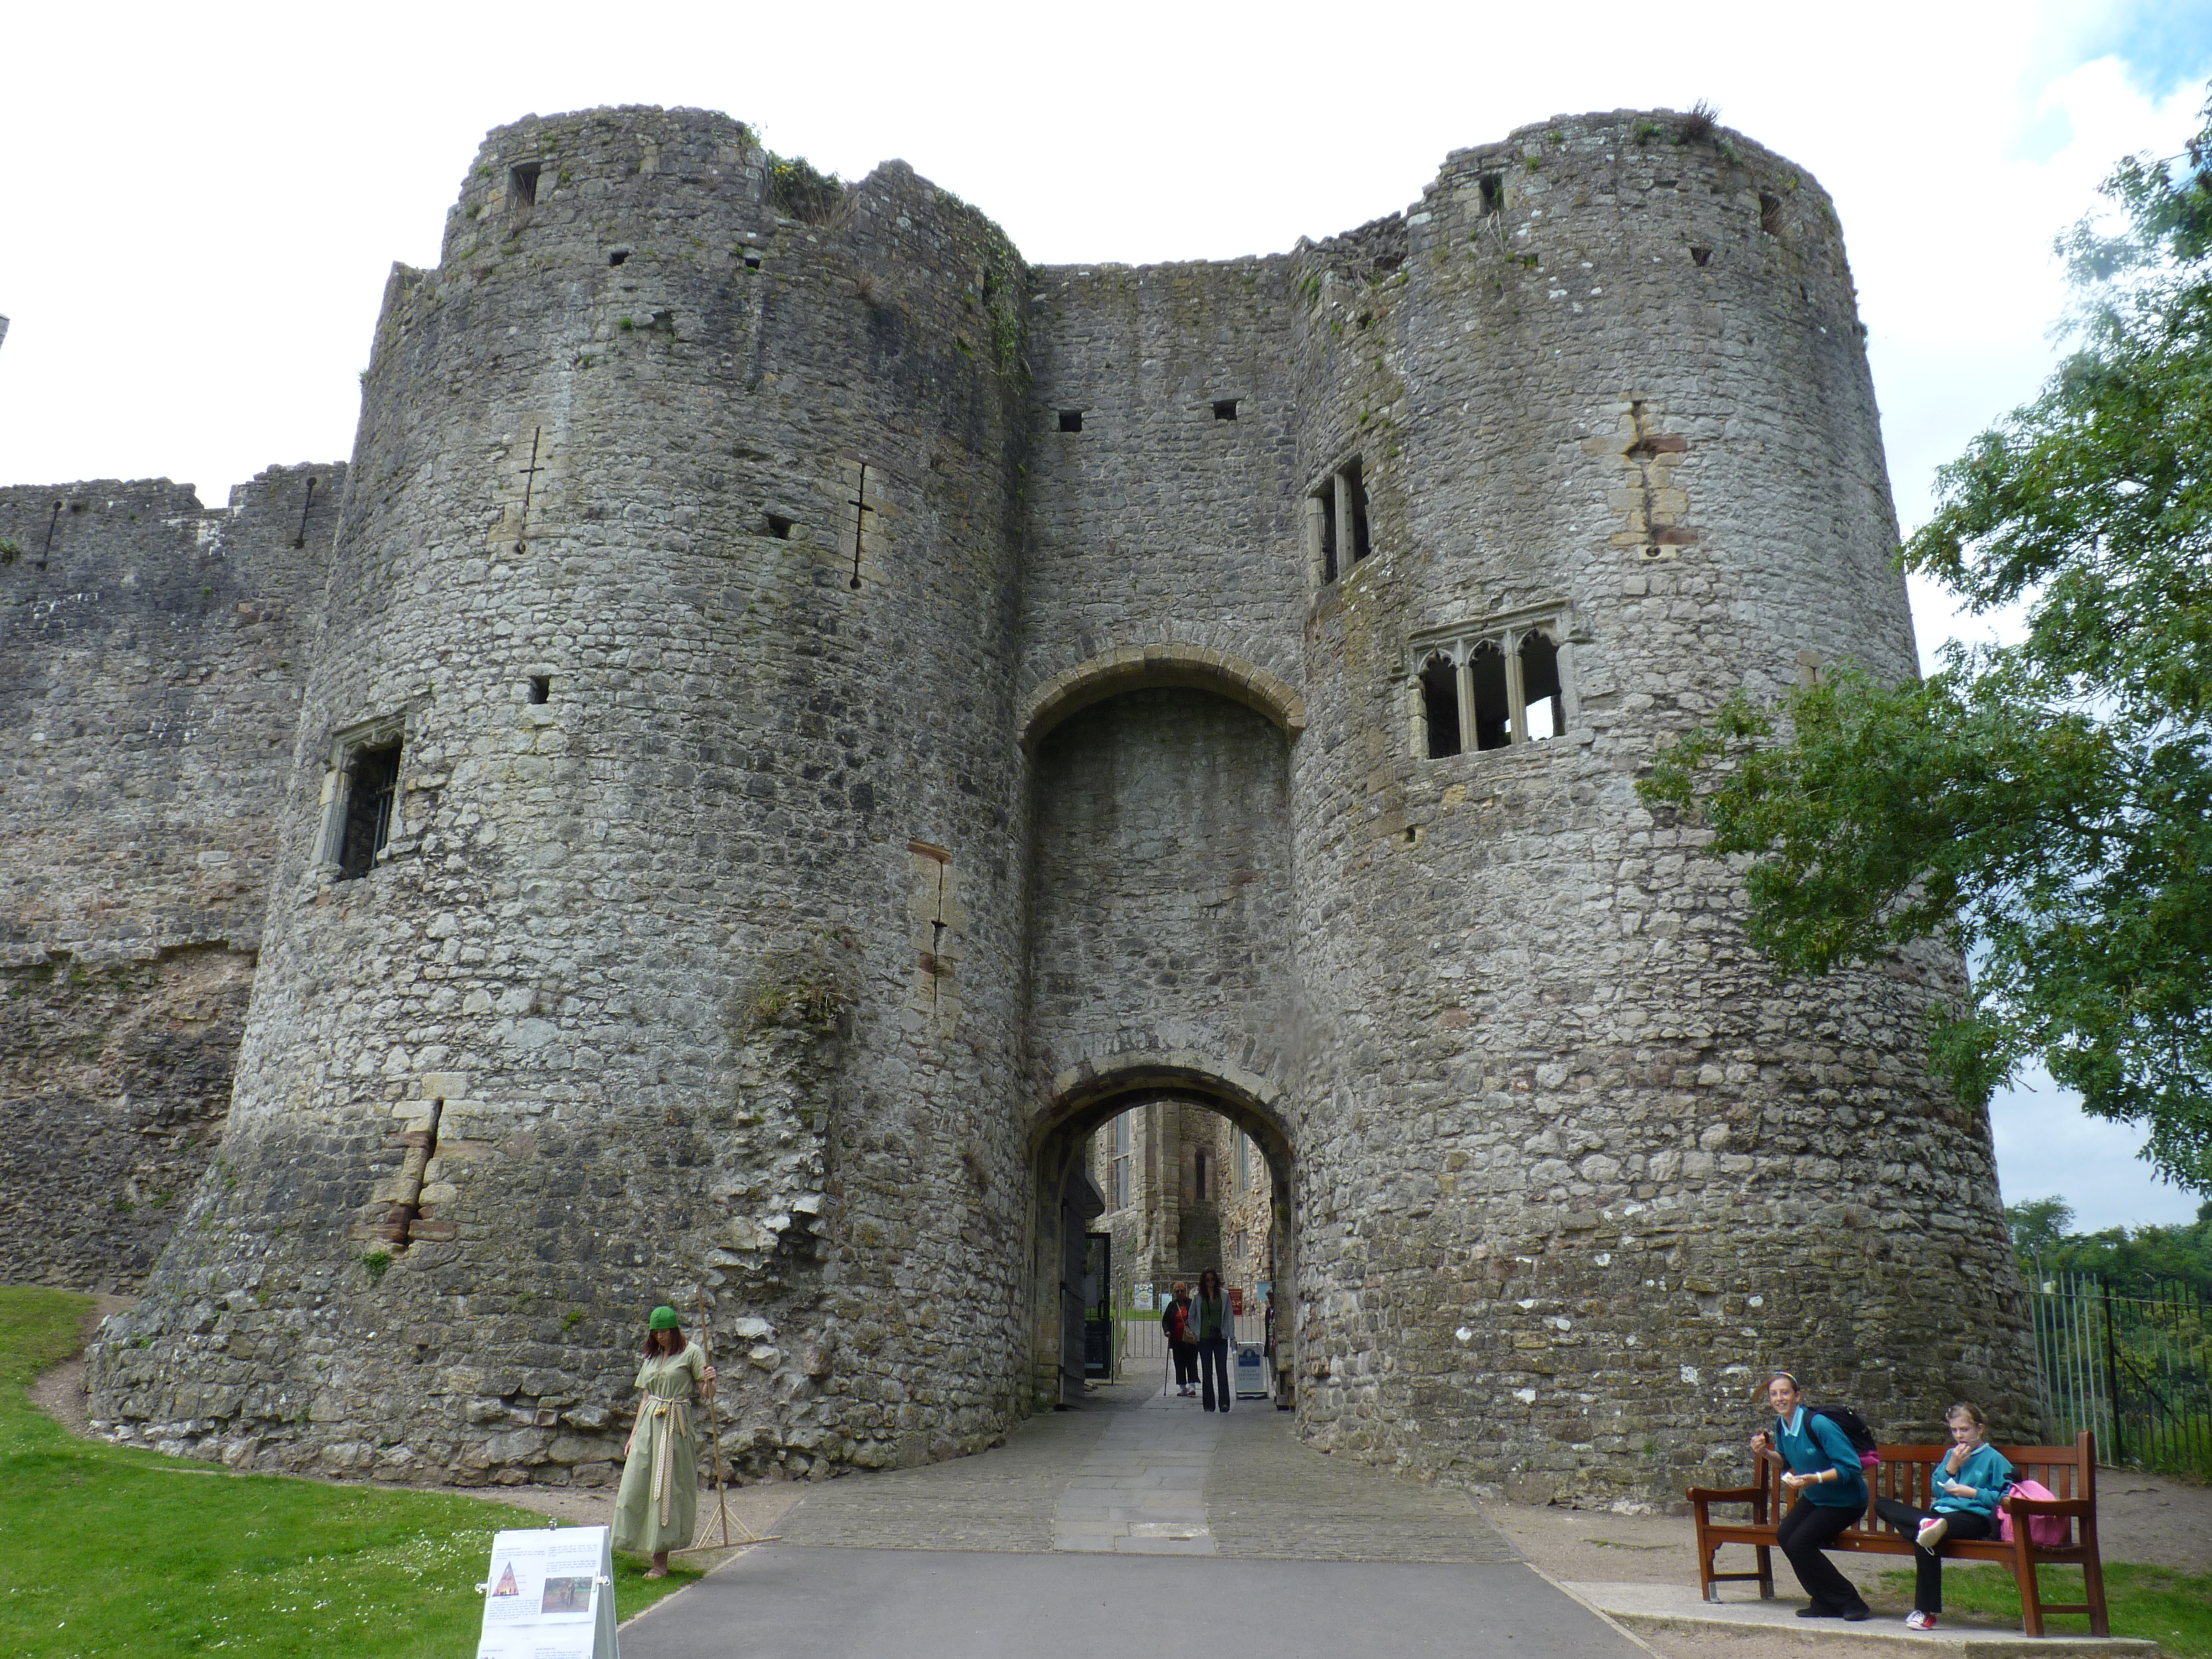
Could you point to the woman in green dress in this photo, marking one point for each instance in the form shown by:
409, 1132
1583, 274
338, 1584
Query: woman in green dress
659, 1500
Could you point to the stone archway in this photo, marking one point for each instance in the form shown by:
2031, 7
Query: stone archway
1065, 1198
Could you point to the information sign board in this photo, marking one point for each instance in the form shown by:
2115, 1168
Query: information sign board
551, 1596
1251, 1376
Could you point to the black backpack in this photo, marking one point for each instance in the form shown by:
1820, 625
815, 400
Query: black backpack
1855, 1430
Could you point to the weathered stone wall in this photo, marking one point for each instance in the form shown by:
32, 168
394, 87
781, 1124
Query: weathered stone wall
773, 910
1586, 1170
152, 652
712, 956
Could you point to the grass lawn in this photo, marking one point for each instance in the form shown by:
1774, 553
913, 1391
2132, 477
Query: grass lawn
2173, 1609
114, 1552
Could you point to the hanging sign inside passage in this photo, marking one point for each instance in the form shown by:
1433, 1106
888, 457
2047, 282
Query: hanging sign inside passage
551, 1596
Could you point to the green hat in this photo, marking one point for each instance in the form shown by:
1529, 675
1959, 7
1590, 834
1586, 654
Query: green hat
664, 1319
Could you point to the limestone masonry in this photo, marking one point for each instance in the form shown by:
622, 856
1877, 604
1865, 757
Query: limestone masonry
793, 718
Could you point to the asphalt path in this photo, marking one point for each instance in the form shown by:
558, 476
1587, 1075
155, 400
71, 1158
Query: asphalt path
836, 1603
1137, 1525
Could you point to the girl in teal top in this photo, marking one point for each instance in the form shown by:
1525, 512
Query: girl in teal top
1832, 1494
1822, 1459
1963, 1490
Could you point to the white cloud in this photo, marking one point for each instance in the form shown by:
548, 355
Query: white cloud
2046, 1146
201, 203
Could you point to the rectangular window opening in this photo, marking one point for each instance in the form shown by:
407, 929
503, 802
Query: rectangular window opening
1070, 419
1544, 709
372, 789
1491, 186
1493, 715
778, 526
1440, 705
522, 185
1349, 480
618, 256
1770, 214
752, 258
541, 688
1225, 408
1198, 1175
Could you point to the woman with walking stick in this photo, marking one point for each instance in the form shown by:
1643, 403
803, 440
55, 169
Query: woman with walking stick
658, 1503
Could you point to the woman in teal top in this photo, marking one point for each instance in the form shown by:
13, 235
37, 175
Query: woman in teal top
1832, 1494
1964, 1488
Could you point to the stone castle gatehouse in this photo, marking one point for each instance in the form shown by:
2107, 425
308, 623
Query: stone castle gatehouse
793, 716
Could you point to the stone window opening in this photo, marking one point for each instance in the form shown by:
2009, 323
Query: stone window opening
1070, 419
522, 185
779, 527
752, 258
1337, 532
1701, 256
1488, 700
1543, 710
1440, 706
541, 688
1491, 188
1493, 685
1225, 408
1200, 1162
618, 256
372, 793
1770, 214
1121, 1182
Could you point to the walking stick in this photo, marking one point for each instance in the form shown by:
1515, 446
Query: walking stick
714, 1429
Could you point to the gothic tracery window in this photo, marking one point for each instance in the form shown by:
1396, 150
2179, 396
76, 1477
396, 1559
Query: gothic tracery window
1496, 682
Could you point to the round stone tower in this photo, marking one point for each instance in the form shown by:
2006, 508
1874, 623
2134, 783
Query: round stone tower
1598, 411
644, 845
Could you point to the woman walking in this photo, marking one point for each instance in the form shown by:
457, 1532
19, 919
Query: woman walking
1215, 1327
1832, 1494
1182, 1338
1965, 1487
659, 1500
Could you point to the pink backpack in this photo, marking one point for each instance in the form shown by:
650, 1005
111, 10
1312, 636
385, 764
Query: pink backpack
2046, 1531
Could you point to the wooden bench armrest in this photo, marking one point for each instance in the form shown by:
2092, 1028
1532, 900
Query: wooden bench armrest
1724, 1494
2024, 1506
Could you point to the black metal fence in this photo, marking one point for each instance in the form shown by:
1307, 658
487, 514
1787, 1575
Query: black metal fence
2136, 1370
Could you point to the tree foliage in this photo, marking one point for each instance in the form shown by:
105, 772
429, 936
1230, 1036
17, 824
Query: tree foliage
2045, 806
2130, 1260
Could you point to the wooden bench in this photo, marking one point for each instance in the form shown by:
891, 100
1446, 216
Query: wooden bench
2069, 1472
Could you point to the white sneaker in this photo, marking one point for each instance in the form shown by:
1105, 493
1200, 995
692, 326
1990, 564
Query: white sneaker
1917, 1619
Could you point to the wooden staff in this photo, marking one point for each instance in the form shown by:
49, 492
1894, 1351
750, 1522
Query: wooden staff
714, 1428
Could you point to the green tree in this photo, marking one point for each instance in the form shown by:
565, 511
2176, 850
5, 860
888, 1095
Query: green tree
2132, 1260
2038, 1225
2044, 806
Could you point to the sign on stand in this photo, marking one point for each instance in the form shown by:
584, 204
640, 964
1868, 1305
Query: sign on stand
551, 1596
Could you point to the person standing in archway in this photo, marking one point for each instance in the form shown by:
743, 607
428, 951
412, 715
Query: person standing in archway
1182, 1338
1216, 1330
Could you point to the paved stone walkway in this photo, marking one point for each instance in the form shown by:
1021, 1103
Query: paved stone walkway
1141, 1471
1033, 1550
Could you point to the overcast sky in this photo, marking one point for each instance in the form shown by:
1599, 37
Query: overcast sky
199, 204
